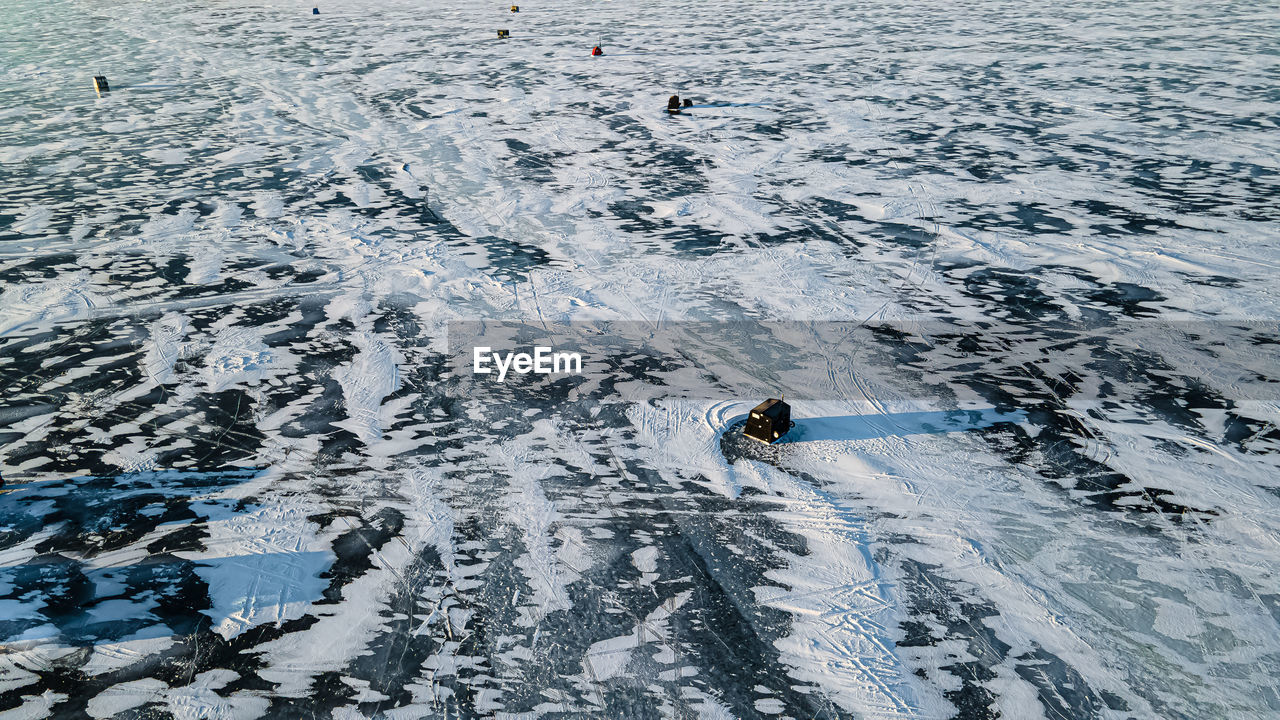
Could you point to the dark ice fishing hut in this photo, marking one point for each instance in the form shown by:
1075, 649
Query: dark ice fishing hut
769, 421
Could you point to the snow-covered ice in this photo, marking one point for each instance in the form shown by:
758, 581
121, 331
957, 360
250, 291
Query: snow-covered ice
1014, 267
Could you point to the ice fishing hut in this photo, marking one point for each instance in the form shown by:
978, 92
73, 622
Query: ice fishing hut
769, 421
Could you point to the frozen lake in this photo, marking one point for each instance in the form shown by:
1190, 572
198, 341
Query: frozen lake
1014, 266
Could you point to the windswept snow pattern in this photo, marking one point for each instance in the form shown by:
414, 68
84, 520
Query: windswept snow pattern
243, 477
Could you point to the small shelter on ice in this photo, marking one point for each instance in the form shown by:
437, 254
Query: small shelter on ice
769, 421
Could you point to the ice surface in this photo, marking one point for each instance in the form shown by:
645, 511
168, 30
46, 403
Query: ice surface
1026, 256
249, 590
